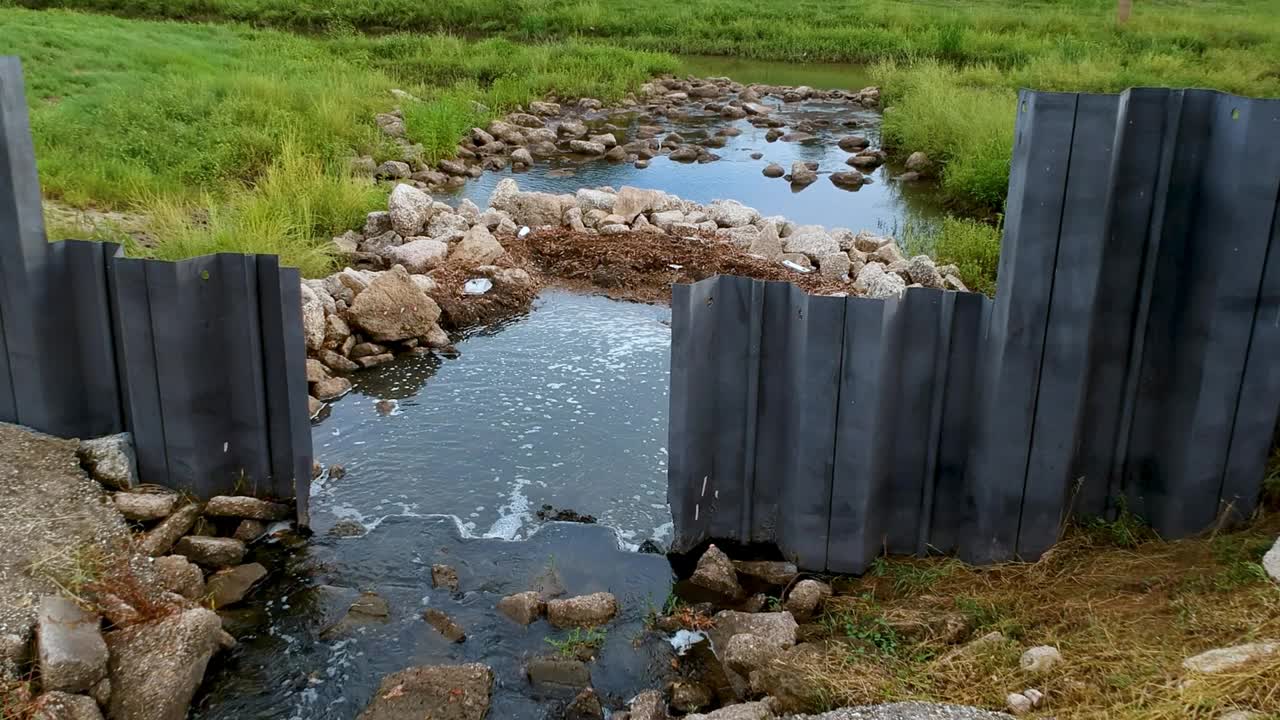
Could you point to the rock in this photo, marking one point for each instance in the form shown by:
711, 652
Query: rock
773, 170
802, 174
451, 167
731, 214
363, 166
534, 209
1040, 659
240, 506
393, 170
179, 575
766, 244
142, 507
544, 108
64, 706
316, 371
868, 243
648, 705
888, 253
163, 536
1270, 561
480, 137
409, 209
835, 265
1018, 703
1242, 715
634, 201
587, 147
392, 308
522, 157
571, 128
526, 120
922, 270
420, 255
853, 143
595, 200
991, 640
558, 672
214, 552
951, 282
773, 134
685, 153
447, 226
333, 388
770, 571
778, 629
312, 319
230, 586
347, 529
1230, 658
582, 611
917, 625
745, 652
523, 608
848, 179
874, 282
864, 162
157, 666
477, 247
799, 136
110, 460
688, 697
743, 236
753, 108
917, 162
586, 706
715, 572
445, 625
70, 651
438, 692
444, 576
811, 240
1035, 696
745, 711
616, 154
808, 595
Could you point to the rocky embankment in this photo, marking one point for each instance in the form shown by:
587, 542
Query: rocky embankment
633, 132
422, 267
109, 591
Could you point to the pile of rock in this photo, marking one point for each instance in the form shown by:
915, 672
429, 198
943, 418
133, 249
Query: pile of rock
134, 639
625, 132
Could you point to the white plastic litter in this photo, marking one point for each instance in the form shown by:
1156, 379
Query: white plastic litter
523, 231
797, 268
478, 286
674, 266
685, 639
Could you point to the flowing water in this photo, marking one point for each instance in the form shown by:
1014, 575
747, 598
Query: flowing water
449, 460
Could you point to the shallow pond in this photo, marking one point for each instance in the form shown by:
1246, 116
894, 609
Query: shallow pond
885, 205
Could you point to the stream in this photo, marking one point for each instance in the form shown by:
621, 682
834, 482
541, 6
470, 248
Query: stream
449, 459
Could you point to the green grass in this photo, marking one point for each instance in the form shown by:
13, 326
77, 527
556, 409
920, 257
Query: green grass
579, 643
972, 246
237, 139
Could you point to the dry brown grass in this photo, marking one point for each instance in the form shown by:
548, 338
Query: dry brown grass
1124, 617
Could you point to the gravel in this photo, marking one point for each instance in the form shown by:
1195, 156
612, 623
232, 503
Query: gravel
907, 711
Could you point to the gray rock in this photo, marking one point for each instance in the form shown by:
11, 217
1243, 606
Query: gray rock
445, 625
874, 282
333, 388
312, 319
420, 255
70, 651
868, 243
558, 672
521, 156
745, 711
689, 697
1227, 659
534, 209
807, 597
439, 692
731, 213
392, 308
770, 571
230, 586
685, 153
213, 552
773, 170
157, 666
1040, 659
448, 226
802, 174
163, 536
587, 147
917, 162
848, 179
648, 705
767, 244
393, 170
589, 199
1270, 561
835, 265
715, 572
179, 575
142, 507
544, 108
1018, 703
241, 506
409, 209
111, 461
991, 640
906, 711
745, 652
743, 236
853, 143
634, 201
523, 608
887, 253
582, 611
922, 270
477, 247
571, 128
778, 629
753, 108
811, 240
65, 706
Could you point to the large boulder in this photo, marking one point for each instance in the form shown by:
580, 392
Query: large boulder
179, 575
811, 240
312, 319
392, 308
589, 199
731, 213
420, 255
874, 282
807, 597
649, 705
523, 608
243, 506
163, 536
715, 572
745, 711
156, 667
922, 270
230, 586
64, 706
145, 506
778, 629
582, 611
409, 209
214, 552
477, 247
69, 646
110, 460
439, 692
535, 209
1220, 660
634, 201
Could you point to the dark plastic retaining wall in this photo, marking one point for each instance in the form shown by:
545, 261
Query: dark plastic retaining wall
1131, 355
203, 360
